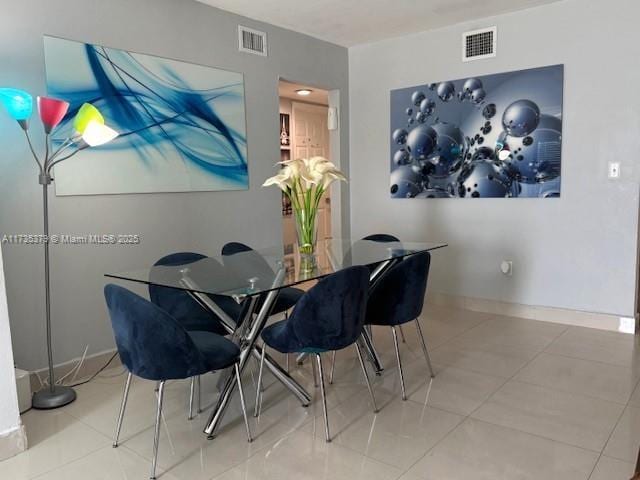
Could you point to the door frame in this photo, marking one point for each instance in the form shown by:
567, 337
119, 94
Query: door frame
339, 219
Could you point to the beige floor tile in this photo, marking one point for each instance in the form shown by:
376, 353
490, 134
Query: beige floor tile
612, 469
55, 439
591, 344
399, 435
575, 419
107, 463
457, 391
512, 331
497, 360
304, 457
625, 440
595, 379
483, 451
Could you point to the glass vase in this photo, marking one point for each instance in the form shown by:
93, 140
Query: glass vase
307, 233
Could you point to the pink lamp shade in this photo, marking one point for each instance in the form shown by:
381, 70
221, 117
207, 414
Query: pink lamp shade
52, 111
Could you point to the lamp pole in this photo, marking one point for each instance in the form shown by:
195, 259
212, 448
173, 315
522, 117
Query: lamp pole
89, 131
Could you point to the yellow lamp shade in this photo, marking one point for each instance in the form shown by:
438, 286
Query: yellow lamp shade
96, 133
86, 114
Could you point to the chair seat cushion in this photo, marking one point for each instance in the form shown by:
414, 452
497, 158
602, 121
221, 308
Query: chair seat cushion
217, 351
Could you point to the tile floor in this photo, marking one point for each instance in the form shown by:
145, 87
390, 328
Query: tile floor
512, 399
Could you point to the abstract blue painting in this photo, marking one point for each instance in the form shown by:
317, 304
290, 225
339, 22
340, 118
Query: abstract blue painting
491, 136
182, 126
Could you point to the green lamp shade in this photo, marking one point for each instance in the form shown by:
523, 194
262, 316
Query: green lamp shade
18, 103
86, 114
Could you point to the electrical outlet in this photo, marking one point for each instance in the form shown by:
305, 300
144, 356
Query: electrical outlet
614, 169
506, 267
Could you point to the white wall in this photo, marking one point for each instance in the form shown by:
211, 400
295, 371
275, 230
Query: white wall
204, 221
576, 252
9, 415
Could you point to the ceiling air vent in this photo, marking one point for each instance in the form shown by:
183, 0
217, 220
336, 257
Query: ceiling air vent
479, 44
252, 41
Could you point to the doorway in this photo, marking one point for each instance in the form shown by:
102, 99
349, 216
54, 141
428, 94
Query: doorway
304, 133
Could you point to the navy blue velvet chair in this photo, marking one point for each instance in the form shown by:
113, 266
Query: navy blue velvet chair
188, 312
154, 346
398, 298
330, 316
382, 237
287, 297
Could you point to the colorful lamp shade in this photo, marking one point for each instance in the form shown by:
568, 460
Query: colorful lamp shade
52, 111
87, 114
96, 134
18, 103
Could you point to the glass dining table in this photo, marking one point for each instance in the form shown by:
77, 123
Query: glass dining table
254, 278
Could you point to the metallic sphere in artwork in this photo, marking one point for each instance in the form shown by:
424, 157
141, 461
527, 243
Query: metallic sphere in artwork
400, 136
521, 118
446, 91
484, 179
478, 95
417, 97
421, 141
489, 111
427, 106
536, 157
405, 183
470, 85
401, 157
450, 149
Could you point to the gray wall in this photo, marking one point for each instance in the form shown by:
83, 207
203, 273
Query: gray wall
576, 252
182, 30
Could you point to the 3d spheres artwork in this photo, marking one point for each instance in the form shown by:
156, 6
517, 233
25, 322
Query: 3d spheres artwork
492, 136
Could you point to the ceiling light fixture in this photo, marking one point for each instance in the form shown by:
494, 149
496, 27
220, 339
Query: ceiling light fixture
304, 92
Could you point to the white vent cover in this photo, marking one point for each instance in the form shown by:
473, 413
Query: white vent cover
252, 41
479, 44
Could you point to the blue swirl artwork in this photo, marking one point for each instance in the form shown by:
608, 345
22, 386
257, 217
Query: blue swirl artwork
491, 136
182, 126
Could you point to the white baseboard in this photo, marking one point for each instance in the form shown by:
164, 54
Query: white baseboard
13, 442
564, 316
92, 363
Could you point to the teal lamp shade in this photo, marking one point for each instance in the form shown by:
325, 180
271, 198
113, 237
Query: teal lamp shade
18, 103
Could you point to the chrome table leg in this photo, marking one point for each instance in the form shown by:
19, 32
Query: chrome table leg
366, 377
424, 348
242, 403
256, 410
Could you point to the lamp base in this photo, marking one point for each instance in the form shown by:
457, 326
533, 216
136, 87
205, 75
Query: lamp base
46, 399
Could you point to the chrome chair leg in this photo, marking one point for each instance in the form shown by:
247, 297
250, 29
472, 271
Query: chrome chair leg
333, 367
404, 340
156, 437
324, 398
424, 349
287, 362
192, 391
256, 410
395, 343
315, 376
199, 385
123, 406
366, 377
242, 404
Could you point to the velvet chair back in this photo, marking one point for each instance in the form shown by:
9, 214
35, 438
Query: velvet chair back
151, 344
180, 305
382, 237
249, 264
330, 315
398, 297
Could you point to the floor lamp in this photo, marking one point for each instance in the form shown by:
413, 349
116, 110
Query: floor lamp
90, 131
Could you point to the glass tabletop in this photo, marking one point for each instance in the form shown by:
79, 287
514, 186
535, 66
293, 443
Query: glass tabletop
255, 272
